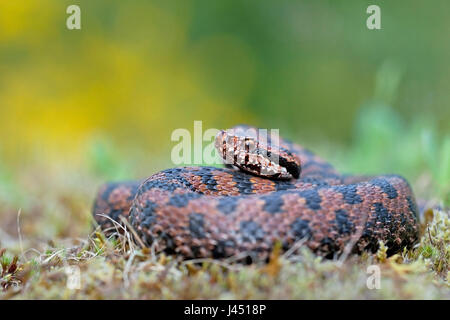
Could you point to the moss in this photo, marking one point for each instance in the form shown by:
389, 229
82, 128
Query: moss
56, 232
123, 271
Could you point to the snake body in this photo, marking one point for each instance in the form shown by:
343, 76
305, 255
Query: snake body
202, 212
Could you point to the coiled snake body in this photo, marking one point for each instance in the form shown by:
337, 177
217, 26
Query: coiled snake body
199, 212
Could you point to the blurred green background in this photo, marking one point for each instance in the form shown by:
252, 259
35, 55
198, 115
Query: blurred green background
78, 107
139, 69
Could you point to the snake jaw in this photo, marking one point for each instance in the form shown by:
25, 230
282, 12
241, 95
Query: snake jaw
247, 153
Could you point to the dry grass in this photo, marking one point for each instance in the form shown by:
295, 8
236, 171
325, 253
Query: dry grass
34, 266
46, 226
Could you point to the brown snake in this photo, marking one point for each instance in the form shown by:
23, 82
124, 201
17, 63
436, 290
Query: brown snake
219, 212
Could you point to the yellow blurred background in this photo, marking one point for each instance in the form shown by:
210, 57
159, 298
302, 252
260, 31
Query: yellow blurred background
137, 70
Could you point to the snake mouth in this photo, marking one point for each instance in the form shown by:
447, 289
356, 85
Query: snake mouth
251, 155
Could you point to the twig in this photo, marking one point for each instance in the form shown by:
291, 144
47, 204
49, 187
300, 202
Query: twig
19, 232
136, 237
126, 270
297, 245
115, 223
349, 246
429, 235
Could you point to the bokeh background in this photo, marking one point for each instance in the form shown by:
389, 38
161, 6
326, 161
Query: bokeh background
78, 107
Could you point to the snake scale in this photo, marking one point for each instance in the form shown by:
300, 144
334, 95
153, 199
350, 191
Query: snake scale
202, 212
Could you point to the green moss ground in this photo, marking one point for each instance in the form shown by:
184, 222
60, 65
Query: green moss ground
46, 226
54, 231
114, 269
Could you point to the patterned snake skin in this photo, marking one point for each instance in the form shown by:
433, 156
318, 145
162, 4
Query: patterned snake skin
199, 212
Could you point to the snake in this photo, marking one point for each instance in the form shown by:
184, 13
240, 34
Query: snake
270, 192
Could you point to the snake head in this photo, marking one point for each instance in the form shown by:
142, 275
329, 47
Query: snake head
253, 151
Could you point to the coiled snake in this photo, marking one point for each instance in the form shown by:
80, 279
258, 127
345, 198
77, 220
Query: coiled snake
199, 212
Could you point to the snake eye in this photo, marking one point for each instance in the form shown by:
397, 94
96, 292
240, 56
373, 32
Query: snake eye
245, 151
